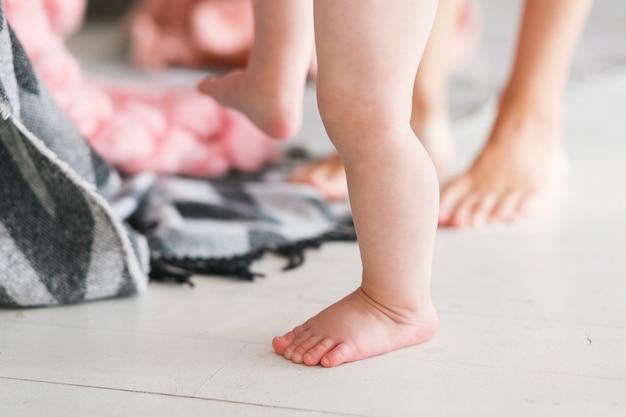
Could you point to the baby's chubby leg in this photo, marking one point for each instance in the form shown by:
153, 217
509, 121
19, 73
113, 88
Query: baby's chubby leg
270, 90
430, 119
391, 179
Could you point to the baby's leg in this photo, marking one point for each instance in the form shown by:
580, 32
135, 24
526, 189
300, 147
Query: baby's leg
523, 161
270, 90
368, 52
430, 120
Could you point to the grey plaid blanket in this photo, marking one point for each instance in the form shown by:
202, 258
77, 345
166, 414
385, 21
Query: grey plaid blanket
72, 230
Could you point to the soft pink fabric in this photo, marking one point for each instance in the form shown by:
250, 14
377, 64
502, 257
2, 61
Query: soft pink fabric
193, 33
65, 16
136, 128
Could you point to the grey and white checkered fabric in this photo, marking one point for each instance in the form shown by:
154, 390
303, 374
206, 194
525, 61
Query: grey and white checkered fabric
64, 214
59, 241
221, 226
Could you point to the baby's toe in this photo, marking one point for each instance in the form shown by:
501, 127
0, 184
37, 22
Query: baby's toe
317, 352
338, 355
298, 354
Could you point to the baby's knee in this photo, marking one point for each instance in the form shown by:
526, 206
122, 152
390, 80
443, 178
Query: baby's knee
355, 118
345, 109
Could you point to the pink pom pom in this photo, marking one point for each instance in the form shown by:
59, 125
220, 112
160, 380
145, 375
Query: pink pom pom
214, 163
200, 115
248, 148
87, 118
131, 136
137, 128
221, 27
30, 23
65, 16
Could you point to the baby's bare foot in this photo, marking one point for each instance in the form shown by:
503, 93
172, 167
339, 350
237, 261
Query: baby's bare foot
355, 328
276, 113
516, 174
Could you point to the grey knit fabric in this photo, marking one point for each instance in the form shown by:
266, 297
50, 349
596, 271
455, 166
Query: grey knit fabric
59, 241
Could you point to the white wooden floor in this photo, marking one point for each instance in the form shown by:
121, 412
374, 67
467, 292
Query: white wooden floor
533, 319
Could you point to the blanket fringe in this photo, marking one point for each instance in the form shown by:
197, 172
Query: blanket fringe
180, 269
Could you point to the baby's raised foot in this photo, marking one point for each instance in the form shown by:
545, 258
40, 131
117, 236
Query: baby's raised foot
275, 113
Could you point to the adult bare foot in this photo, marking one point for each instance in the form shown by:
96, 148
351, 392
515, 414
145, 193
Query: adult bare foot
327, 175
355, 328
515, 175
278, 115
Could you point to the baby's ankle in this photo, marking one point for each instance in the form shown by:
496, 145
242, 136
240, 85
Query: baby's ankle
282, 121
401, 309
280, 107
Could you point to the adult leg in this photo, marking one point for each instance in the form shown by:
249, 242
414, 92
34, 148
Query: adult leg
430, 118
523, 161
368, 53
